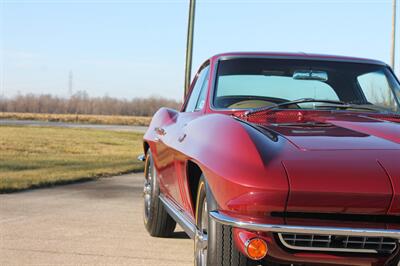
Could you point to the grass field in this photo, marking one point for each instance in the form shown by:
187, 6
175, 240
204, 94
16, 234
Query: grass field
45, 156
75, 118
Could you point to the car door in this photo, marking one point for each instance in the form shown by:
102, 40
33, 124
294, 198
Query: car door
174, 177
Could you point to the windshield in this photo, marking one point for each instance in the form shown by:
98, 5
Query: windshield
248, 83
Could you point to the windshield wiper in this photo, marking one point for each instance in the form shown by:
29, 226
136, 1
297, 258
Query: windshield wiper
353, 106
336, 104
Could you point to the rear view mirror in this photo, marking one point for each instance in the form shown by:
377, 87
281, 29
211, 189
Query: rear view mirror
310, 75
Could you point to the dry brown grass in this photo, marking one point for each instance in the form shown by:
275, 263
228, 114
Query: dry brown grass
77, 118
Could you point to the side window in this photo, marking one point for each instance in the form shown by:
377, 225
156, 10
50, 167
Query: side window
194, 96
376, 89
203, 92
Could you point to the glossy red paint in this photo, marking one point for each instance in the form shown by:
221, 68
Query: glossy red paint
344, 163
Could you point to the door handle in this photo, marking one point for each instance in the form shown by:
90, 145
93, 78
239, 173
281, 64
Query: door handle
160, 131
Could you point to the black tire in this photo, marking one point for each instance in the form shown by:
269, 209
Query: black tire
156, 219
221, 249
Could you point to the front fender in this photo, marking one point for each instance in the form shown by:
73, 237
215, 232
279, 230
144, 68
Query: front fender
242, 165
163, 117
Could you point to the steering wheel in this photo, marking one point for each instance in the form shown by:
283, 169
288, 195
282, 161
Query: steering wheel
246, 101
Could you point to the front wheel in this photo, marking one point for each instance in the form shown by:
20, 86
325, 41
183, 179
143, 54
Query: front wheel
156, 219
214, 244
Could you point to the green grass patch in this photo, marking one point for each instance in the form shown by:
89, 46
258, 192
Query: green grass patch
45, 156
77, 118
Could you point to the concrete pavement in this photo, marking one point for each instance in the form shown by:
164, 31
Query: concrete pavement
93, 223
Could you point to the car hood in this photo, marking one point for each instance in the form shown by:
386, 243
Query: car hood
339, 182
341, 132
340, 163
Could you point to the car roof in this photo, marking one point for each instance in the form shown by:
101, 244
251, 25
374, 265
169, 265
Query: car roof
299, 55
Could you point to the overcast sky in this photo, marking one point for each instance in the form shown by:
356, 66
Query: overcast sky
133, 48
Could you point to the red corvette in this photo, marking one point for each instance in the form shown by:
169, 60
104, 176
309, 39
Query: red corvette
280, 159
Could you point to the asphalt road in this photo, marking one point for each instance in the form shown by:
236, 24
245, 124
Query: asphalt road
92, 223
35, 123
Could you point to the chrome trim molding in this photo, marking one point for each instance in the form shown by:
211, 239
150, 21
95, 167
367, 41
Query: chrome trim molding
276, 228
179, 216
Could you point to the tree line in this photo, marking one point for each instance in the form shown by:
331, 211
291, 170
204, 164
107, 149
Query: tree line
82, 103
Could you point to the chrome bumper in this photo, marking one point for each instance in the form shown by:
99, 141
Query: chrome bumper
340, 231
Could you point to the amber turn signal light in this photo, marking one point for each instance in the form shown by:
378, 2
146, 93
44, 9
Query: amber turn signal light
256, 248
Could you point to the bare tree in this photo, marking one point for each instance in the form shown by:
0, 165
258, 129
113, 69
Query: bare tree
81, 103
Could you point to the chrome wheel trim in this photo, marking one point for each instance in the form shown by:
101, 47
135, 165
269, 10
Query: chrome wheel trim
201, 238
148, 190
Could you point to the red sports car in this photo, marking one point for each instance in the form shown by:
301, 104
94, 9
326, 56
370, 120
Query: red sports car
280, 159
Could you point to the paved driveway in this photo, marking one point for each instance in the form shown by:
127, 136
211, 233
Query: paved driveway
94, 223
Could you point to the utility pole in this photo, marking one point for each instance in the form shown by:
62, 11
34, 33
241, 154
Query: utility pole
189, 46
393, 53
70, 83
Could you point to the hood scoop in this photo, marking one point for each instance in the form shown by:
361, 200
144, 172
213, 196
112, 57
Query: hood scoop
304, 116
332, 130
281, 116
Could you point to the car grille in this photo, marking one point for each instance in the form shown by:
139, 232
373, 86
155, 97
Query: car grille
361, 244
